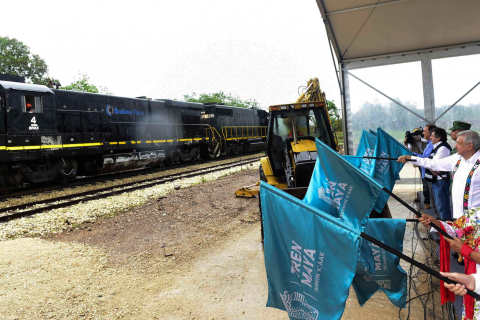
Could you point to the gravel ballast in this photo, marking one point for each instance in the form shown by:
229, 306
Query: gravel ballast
62, 219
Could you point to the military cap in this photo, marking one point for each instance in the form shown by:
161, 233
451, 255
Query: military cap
459, 125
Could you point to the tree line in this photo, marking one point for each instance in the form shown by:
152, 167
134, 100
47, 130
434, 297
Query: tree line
393, 117
17, 59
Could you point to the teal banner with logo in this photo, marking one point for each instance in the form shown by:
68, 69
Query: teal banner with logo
340, 189
357, 161
378, 269
354, 160
386, 172
310, 257
366, 148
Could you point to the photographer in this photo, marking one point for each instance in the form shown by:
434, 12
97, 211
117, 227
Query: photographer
413, 141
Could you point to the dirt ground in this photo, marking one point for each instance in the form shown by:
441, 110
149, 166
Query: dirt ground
195, 254
190, 255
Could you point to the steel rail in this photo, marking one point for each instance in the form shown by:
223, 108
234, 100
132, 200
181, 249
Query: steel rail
110, 176
110, 191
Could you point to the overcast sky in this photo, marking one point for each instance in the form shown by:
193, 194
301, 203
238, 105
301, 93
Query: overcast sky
257, 49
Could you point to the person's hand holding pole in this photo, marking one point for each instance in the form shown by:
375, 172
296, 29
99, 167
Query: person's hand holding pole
426, 220
403, 159
464, 282
456, 244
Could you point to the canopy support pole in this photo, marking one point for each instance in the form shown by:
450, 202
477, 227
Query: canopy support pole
428, 93
347, 124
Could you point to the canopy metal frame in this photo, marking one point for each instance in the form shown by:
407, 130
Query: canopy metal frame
424, 56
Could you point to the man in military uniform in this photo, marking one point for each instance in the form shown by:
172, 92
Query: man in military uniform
458, 126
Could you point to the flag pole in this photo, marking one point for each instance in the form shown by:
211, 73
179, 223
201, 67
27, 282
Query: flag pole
394, 159
418, 214
417, 264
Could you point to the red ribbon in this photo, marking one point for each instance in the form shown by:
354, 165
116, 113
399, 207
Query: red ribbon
445, 294
470, 268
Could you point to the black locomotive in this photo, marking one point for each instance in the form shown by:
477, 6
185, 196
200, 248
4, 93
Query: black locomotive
48, 134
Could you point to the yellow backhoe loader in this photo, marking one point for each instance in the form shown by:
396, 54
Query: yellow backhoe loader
291, 150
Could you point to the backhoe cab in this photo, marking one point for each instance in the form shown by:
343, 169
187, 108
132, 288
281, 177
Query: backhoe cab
291, 150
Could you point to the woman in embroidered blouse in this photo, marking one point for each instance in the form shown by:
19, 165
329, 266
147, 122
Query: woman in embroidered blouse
466, 234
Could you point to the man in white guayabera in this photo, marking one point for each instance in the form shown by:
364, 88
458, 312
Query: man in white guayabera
464, 164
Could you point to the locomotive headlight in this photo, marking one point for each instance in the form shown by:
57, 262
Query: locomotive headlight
283, 107
304, 105
71, 139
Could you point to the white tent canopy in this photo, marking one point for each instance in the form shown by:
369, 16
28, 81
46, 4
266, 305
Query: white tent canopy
367, 33
400, 26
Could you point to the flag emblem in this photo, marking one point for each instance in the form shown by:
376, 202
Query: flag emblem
297, 306
322, 194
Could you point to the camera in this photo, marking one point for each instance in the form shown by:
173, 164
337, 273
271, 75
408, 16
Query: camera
409, 135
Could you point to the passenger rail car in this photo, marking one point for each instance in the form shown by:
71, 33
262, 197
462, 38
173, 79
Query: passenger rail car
48, 134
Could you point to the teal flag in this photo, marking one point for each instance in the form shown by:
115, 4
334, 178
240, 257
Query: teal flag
372, 132
378, 269
358, 162
386, 172
354, 160
366, 148
310, 257
340, 189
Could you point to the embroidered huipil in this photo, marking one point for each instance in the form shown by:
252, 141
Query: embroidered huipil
466, 184
467, 228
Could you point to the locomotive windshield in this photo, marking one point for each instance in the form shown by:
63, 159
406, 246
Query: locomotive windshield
308, 122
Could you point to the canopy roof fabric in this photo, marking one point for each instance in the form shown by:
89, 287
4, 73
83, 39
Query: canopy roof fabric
361, 29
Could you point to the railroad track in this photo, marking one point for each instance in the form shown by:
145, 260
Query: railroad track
69, 200
25, 191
